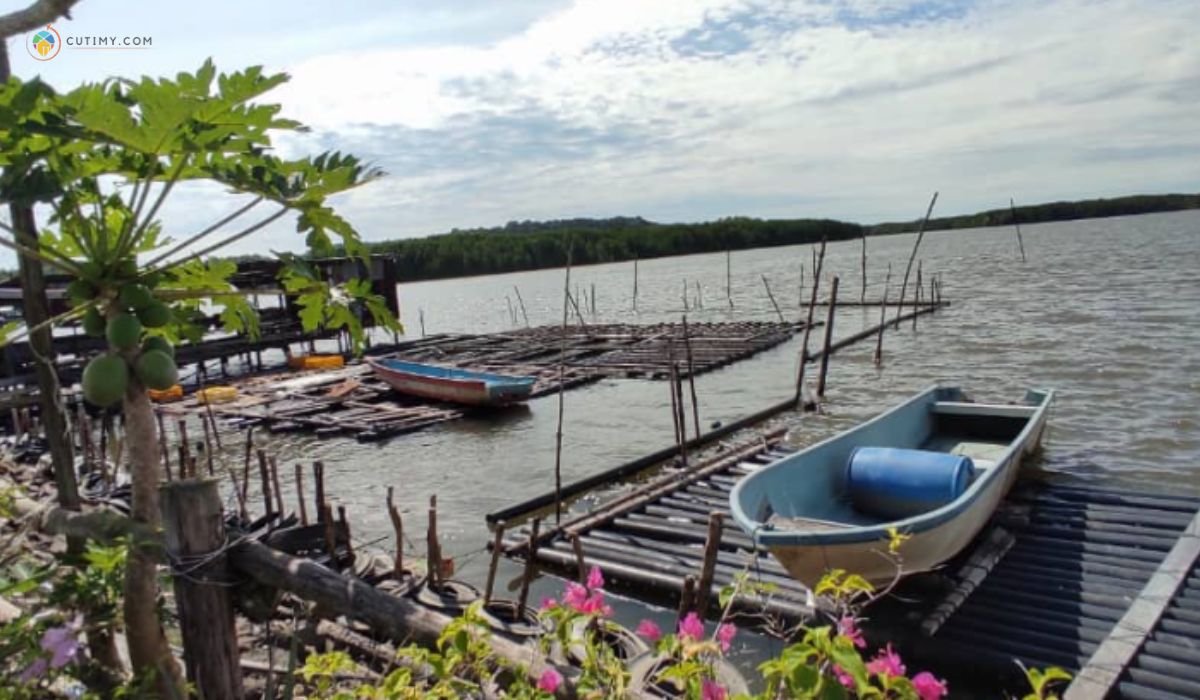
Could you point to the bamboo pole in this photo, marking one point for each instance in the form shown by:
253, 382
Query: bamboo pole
398, 531
678, 381
862, 297
1013, 207
562, 361
687, 342
772, 298
674, 401
521, 301
530, 568
913, 256
265, 478
917, 295
833, 291
818, 263
882, 318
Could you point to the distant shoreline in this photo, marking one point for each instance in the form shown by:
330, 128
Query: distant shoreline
535, 245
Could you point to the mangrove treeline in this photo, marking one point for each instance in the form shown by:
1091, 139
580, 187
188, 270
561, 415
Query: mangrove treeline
530, 245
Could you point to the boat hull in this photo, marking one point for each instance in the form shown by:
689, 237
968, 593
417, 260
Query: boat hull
799, 509
481, 390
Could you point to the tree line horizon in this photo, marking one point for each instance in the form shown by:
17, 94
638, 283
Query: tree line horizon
532, 245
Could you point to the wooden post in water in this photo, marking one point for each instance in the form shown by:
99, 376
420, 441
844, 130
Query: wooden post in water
1013, 207
917, 296
818, 262
300, 494
421, 317
208, 443
862, 297
635, 276
671, 389
882, 318
194, 529
512, 312
265, 477
800, 289
319, 489
712, 545
772, 298
433, 554
912, 256
682, 412
497, 550
687, 342
530, 567
593, 299
521, 301
245, 488
729, 277
684, 295
398, 531
833, 290
699, 296
274, 465
562, 361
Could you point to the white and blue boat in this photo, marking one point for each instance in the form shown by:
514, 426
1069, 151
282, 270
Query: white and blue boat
935, 468
452, 384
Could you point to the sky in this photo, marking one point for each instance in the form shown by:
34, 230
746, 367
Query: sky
690, 110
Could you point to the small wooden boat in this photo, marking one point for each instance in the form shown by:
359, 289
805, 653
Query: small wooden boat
935, 468
452, 384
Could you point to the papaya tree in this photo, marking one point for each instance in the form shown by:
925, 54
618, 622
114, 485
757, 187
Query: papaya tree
100, 161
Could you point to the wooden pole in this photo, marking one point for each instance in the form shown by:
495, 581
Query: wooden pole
497, 550
530, 567
245, 488
687, 596
862, 297
1013, 207
593, 299
635, 282
265, 476
195, 537
818, 263
800, 289
300, 494
833, 290
512, 312
917, 295
433, 555
162, 444
421, 318
344, 522
682, 412
208, 444
521, 301
712, 545
562, 362
687, 343
398, 530
674, 401
185, 448
684, 294
729, 277
580, 562
913, 256
319, 488
882, 318
274, 465
772, 298
330, 536
699, 296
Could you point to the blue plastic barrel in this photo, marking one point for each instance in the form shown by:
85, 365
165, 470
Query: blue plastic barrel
896, 483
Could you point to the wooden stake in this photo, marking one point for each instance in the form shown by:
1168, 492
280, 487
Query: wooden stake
1013, 207
300, 494
208, 444
580, 563
433, 554
345, 524
913, 256
635, 282
522, 303
330, 536
265, 476
195, 532
712, 545
398, 529
833, 290
531, 548
319, 487
562, 362
917, 295
512, 312
729, 277
420, 316
699, 296
593, 298
687, 343
674, 400
683, 438
862, 298
772, 298
800, 289
275, 484
818, 263
497, 550
684, 294
882, 318
246, 472
162, 444
687, 596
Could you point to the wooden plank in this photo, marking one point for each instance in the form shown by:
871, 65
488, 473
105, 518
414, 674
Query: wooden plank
1114, 655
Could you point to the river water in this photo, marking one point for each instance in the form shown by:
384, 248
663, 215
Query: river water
1106, 311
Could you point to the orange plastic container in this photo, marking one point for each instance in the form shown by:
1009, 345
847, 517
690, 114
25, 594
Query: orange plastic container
316, 361
175, 393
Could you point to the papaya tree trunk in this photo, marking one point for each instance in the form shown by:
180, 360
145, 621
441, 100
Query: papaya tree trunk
148, 650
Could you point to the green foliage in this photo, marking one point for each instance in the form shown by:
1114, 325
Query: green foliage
1043, 685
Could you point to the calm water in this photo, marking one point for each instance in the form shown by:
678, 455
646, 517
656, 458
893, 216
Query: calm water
1105, 311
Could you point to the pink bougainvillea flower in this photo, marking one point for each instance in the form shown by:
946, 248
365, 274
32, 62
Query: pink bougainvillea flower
594, 605
649, 631
848, 628
711, 690
549, 681
929, 687
842, 677
725, 634
34, 671
691, 627
62, 643
575, 596
548, 604
887, 663
595, 579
